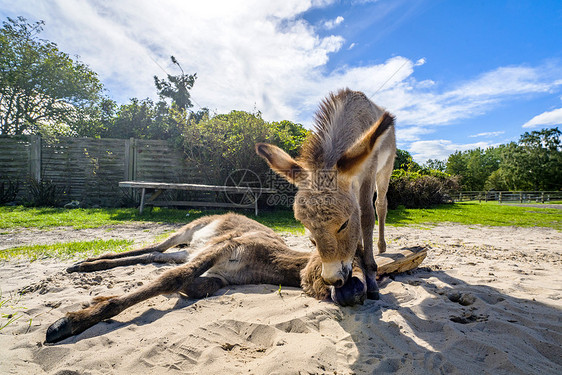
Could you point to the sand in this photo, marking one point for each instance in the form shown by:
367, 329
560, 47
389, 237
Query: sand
486, 300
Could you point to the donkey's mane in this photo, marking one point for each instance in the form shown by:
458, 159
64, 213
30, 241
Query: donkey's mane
332, 133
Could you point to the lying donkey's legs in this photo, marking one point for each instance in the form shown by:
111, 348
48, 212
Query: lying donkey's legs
174, 280
143, 255
202, 287
104, 264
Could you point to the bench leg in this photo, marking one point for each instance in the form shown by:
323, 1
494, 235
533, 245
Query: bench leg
142, 200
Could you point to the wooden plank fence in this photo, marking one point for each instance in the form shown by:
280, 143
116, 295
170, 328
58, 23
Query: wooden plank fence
89, 169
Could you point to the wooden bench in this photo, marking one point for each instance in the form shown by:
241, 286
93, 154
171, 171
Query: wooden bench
159, 187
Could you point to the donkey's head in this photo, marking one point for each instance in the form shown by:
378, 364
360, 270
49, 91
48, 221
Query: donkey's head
326, 202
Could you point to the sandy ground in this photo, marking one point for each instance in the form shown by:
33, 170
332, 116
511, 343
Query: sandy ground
487, 300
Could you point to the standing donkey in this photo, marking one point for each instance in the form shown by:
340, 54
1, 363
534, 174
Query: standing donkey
354, 142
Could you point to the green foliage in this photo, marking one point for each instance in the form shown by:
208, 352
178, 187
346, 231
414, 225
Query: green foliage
96, 120
221, 144
145, 119
289, 136
41, 87
419, 189
8, 191
176, 87
436, 165
405, 161
474, 166
497, 180
414, 186
534, 163
45, 194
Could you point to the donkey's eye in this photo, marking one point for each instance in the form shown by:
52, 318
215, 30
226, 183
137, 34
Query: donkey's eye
313, 242
344, 225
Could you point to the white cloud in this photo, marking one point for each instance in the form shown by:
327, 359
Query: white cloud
440, 149
553, 117
420, 62
333, 23
412, 133
251, 55
351, 46
421, 103
487, 134
263, 55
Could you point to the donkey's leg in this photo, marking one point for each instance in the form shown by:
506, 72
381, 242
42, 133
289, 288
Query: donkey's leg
145, 254
367, 226
381, 204
174, 280
154, 257
203, 287
354, 290
182, 236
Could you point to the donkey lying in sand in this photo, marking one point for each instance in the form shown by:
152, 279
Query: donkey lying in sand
226, 250
354, 144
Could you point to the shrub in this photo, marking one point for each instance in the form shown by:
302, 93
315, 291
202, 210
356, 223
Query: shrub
217, 146
415, 190
45, 194
9, 191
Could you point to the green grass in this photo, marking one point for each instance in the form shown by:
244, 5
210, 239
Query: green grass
485, 213
44, 218
10, 310
469, 213
66, 250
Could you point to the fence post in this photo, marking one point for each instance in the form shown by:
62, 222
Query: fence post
35, 158
130, 159
500, 196
542, 197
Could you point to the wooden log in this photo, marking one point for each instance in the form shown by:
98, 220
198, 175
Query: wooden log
402, 260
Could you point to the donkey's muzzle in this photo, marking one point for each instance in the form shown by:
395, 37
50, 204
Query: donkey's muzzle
336, 279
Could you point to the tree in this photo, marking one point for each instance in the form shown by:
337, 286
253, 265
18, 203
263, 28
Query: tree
405, 161
226, 142
289, 136
40, 86
473, 166
96, 120
435, 164
176, 87
535, 163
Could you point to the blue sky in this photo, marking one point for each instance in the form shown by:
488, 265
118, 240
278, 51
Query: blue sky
457, 74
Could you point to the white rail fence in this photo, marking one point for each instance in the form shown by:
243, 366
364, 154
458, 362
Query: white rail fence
508, 196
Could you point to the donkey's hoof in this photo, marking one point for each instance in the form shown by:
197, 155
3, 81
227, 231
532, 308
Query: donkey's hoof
59, 330
73, 268
372, 288
350, 294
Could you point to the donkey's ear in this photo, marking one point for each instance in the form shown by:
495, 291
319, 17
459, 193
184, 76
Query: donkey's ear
281, 162
353, 158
